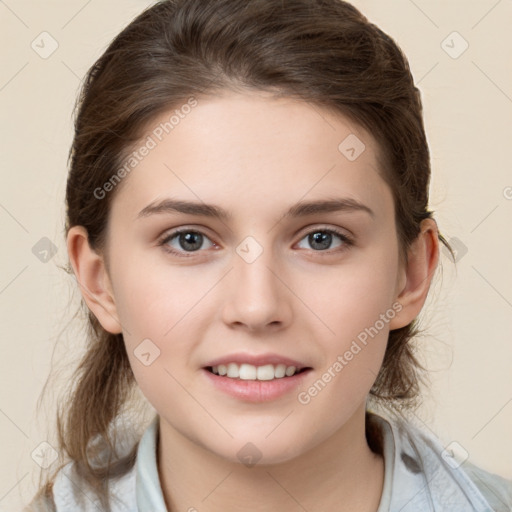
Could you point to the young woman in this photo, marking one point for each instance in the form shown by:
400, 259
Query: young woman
248, 223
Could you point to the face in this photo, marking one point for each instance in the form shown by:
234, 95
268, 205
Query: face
270, 283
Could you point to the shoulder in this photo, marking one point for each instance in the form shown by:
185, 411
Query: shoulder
133, 480
71, 492
425, 475
496, 489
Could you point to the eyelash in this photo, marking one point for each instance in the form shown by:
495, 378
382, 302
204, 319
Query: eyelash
347, 241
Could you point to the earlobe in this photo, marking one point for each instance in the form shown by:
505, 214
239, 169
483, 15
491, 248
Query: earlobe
423, 257
93, 280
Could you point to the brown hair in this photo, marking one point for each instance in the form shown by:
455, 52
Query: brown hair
321, 51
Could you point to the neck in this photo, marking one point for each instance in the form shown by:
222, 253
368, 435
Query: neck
341, 473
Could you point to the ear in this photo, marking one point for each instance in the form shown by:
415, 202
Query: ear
416, 275
93, 280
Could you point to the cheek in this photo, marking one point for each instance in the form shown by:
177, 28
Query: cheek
352, 297
357, 307
353, 356
153, 298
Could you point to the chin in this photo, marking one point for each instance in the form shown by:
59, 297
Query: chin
256, 450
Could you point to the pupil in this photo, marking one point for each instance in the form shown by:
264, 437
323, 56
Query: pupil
191, 241
323, 239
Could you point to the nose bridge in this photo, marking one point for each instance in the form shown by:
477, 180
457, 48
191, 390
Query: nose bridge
253, 266
257, 297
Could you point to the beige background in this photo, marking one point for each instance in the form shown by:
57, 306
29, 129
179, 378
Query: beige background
468, 113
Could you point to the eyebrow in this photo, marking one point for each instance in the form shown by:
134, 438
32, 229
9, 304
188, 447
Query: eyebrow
301, 209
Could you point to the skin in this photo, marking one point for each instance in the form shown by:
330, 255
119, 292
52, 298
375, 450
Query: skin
255, 156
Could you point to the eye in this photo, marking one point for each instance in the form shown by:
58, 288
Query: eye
322, 239
184, 241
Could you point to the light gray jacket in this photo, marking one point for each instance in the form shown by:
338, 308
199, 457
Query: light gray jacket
419, 476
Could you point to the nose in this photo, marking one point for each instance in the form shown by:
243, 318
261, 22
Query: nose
257, 296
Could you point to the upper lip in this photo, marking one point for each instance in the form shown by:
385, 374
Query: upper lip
256, 360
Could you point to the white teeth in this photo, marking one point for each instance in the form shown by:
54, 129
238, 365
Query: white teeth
280, 371
247, 372
250, 372
290, 371
233, 371
265, 372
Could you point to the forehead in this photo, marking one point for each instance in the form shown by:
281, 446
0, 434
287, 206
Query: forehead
251, 152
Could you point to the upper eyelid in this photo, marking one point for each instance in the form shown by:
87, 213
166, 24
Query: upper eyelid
204, 231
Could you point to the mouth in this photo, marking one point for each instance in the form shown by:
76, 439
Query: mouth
256, 384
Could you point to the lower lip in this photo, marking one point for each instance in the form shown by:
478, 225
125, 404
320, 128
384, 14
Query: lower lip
256, 390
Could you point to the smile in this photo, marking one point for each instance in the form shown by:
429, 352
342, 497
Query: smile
250, 372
